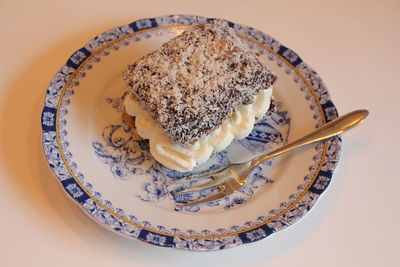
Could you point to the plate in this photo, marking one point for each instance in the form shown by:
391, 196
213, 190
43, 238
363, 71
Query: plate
108, 170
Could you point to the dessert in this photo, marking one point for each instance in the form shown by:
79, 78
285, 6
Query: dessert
197, 93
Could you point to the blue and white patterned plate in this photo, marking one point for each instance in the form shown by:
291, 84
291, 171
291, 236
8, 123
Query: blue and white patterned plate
109, 172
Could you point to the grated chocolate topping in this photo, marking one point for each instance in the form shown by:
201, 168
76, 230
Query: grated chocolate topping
196, 80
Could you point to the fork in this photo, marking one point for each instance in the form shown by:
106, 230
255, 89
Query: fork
232, 178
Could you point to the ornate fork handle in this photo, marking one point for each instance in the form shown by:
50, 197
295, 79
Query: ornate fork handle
326, 131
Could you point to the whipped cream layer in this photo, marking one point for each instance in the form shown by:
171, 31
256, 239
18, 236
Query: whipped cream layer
185, 158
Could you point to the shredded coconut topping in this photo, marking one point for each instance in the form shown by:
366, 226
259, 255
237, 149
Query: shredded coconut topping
196, 80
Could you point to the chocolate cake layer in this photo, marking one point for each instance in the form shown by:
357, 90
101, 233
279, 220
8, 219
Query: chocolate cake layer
194, 82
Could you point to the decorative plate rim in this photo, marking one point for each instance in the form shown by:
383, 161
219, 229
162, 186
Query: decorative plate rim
326, 166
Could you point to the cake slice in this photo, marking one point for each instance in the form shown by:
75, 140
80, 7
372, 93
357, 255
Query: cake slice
196, 94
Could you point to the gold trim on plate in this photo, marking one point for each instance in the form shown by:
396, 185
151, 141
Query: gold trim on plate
158, 232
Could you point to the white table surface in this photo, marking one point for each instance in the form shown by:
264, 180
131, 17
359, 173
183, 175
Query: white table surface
354, 46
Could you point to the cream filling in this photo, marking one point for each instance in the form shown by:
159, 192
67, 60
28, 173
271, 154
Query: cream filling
183, 159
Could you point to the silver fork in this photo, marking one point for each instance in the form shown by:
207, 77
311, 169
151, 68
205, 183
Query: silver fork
232, 178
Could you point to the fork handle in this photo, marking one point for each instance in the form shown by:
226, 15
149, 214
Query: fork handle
326, 131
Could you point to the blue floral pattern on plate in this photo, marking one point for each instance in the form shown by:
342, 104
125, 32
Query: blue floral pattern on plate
125, 152
61, 159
